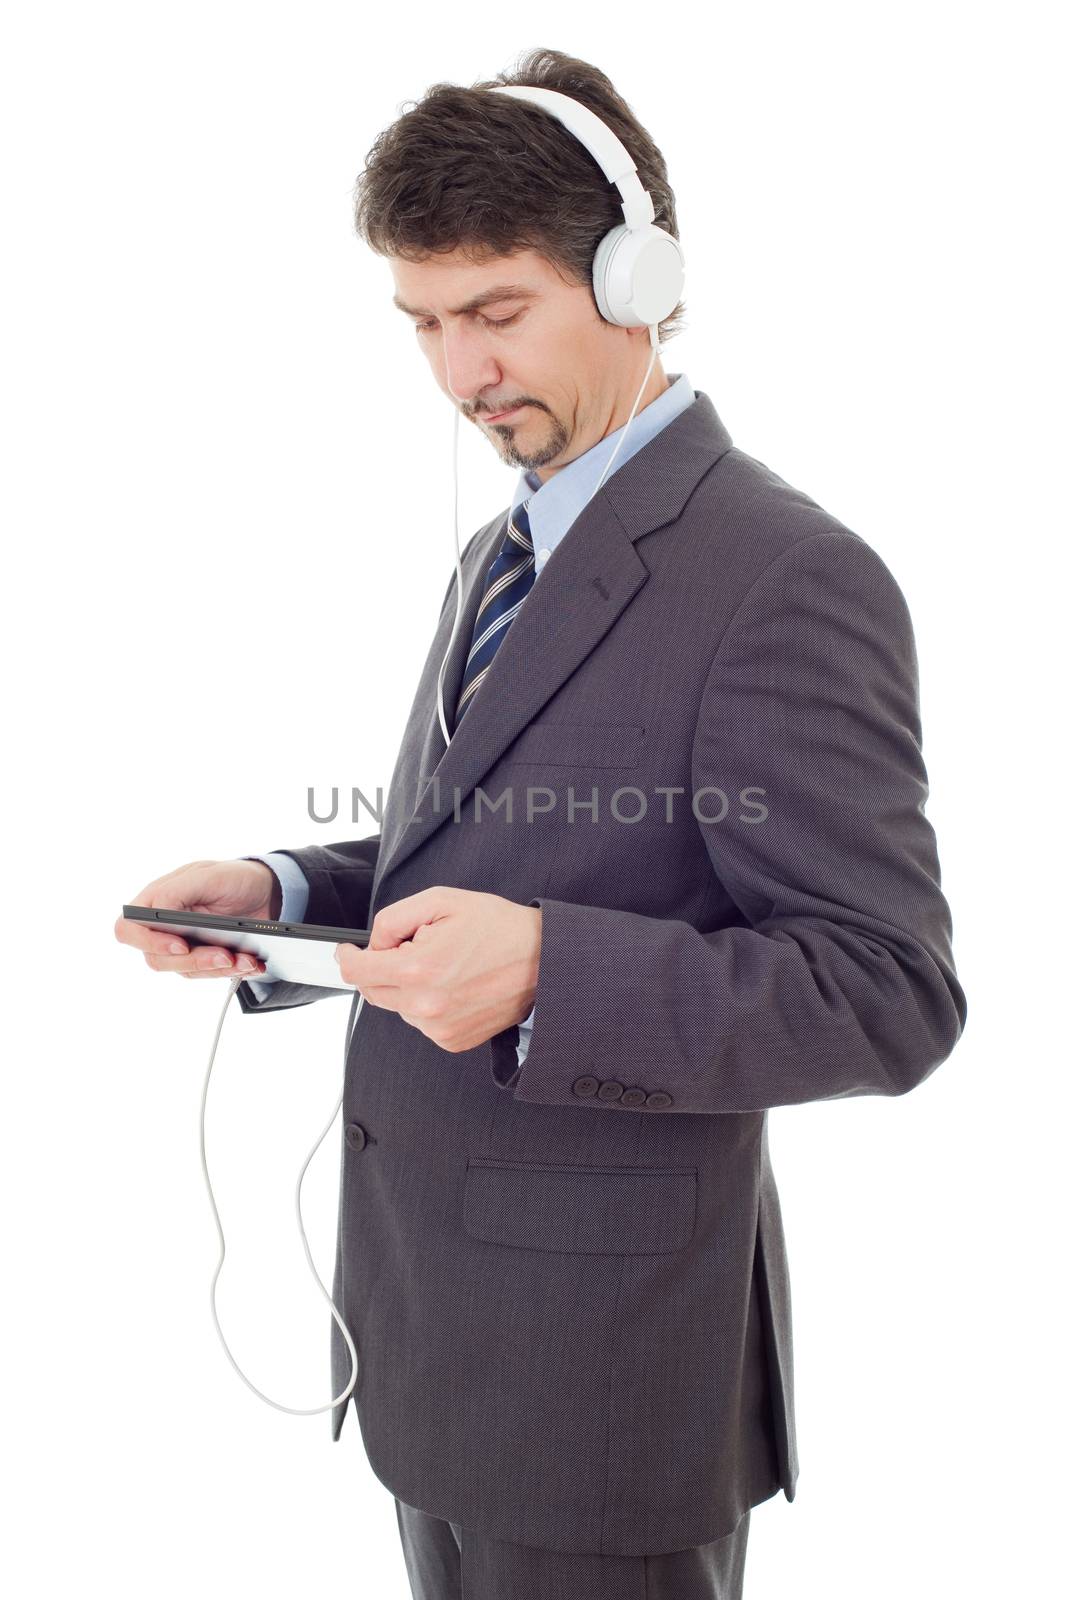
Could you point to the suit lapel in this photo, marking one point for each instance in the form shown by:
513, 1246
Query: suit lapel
589, 581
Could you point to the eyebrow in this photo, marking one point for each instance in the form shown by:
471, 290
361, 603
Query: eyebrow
488, 297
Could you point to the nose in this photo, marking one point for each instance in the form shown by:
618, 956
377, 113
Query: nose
470, 366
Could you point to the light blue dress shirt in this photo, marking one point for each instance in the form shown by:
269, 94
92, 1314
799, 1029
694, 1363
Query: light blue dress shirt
554, 508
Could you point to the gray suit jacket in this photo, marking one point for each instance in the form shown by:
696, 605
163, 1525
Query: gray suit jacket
567, 1283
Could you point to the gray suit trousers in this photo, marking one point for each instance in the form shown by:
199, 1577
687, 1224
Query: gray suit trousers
448, 1562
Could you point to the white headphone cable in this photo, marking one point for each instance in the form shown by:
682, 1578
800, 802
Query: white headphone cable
294, 1411
653, 335
312, 1411
459, 576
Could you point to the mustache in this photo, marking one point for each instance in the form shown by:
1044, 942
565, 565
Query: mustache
491, 411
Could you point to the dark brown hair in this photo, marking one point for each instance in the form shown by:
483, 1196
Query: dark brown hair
492, 175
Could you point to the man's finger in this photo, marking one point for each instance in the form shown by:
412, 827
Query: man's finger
380, 969
393, 924
211, 960
144, 937
221, 972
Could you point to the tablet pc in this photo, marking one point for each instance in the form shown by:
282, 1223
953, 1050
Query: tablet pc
293, 952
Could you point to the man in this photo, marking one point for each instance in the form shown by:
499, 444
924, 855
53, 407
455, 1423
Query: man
560, 1251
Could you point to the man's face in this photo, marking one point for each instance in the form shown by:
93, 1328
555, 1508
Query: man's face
512, 335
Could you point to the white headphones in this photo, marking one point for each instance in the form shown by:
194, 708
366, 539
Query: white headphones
638, 273
638, 269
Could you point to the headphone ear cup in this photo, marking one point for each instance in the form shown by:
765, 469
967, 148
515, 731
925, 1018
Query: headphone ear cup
605, 253
638, 275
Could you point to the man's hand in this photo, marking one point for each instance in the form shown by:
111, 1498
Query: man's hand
458, 965
225, 889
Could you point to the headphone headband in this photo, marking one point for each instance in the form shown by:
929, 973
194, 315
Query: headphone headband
638, 269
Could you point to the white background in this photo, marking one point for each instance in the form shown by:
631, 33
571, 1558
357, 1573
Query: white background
224, 452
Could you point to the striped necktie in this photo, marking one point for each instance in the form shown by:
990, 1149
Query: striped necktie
509, 581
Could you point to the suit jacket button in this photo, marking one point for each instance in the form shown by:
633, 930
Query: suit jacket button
609, 1090
585, 1086
355, 1137
659, 1098
633, 1097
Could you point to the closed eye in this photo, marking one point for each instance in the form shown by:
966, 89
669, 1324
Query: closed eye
488, 322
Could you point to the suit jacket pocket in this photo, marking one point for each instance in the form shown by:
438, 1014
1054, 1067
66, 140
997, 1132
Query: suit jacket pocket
579, 744
582, 1210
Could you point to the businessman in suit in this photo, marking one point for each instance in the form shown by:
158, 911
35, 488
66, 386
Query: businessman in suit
714, 891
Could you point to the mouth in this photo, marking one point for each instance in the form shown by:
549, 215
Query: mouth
503, 416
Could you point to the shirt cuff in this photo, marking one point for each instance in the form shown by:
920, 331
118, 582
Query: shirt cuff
295, 891
525, 1034
295, 888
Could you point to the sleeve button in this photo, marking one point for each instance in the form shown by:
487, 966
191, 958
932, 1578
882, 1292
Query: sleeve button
584, 1087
